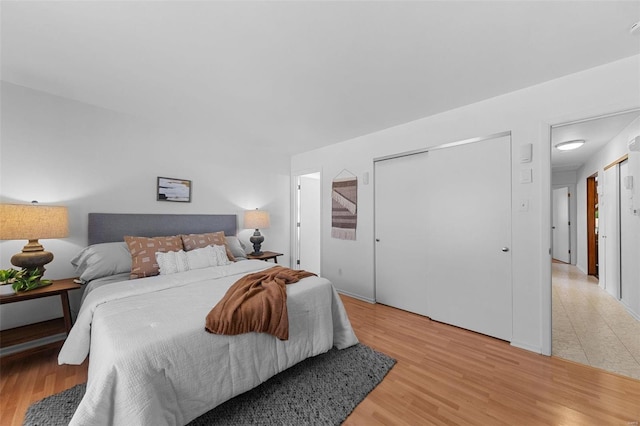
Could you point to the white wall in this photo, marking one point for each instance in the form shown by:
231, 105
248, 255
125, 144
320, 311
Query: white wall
528, 114
614, 150
564, 178
90, 159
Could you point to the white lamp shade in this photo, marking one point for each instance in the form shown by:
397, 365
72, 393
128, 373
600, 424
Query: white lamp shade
256, 219
33, 222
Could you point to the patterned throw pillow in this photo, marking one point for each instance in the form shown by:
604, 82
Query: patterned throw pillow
219, 254
194, 241
207, 256
143, 253
201, 258
172, 262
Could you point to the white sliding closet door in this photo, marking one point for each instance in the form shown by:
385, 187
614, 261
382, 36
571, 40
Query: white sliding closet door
455, 221
469, 227
401, 233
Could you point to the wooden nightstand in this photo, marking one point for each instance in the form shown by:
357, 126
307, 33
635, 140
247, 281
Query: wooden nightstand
26, 333
266, 255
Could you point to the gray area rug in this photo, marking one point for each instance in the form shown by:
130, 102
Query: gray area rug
322, 390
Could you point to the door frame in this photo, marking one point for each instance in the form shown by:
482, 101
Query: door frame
592, 236
614, 290
624, 222
545, 129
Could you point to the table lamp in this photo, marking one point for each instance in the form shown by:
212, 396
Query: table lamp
256, 219
31, 222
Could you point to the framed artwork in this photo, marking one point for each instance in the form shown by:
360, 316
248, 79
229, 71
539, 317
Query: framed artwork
172, 189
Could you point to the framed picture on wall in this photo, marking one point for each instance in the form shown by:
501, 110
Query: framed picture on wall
172, 189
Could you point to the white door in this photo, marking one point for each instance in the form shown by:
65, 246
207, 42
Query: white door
400, 205
308, 223
611, 216
444, 224
469, 226
629, 236
560, 225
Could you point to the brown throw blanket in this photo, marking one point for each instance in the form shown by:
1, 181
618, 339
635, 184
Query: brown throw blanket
256, 302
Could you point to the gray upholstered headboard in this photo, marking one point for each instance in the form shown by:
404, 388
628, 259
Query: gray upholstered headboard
112, 227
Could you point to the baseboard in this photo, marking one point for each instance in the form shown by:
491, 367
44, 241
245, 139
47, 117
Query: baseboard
581, 269
29, 347
356, 296
631, 312
527, 347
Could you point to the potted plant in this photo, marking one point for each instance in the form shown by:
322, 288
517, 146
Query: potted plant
14, 280
7, 278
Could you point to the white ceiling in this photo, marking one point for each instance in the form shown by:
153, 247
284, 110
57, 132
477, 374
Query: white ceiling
294, 76
596, 133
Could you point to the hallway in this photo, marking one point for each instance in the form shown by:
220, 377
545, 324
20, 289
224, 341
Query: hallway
590, 326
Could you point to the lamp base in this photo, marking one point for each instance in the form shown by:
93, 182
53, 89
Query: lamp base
33, 257
256, 239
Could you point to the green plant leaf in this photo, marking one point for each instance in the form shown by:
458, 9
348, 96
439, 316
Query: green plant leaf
9, 274
29, 281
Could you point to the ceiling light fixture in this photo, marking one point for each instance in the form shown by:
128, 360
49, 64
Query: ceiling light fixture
570, 145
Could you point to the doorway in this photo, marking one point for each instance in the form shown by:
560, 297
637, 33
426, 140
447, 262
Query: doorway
561, 224
581, 331
307, 233
592, 225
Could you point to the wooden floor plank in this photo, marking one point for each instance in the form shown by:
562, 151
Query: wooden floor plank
444, 376
464, 378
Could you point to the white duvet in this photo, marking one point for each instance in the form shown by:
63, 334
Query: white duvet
153, 363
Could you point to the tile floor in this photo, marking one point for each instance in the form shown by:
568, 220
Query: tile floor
590, 326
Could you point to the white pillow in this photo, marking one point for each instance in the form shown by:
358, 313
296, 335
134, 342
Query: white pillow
219, 253
102, 260
201, 258
235, 245
172, 262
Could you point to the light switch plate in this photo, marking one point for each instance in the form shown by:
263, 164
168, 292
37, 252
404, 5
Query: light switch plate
526, 152
526, 176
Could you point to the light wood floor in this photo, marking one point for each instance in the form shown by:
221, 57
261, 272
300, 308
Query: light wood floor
444, 375
30, 379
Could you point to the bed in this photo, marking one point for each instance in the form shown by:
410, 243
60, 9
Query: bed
151, 362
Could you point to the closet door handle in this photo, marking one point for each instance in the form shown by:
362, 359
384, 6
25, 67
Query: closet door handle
505, 249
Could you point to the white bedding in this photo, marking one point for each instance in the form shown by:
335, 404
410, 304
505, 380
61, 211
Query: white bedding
99, 282
153, 363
